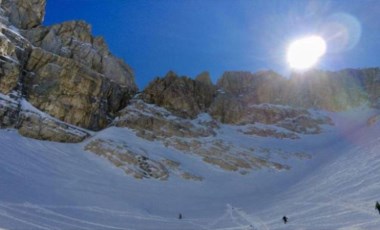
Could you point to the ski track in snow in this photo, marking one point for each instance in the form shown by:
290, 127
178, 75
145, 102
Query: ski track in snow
338, 193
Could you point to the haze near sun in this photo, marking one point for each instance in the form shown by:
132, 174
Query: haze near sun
305, 52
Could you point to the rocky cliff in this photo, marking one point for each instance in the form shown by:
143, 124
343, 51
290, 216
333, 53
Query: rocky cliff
63, 70
183, 96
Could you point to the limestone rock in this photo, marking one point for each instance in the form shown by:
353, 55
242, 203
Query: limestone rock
9, 74
268, 132
261, 87
153, 122
196, 137
72, 75
370, 80
39, 127
72, 92
35, 124
333, 91
136, 164
24, 14
227, 108
73, 39
61, 69
9, 65
205, 78
181, 95
9, 111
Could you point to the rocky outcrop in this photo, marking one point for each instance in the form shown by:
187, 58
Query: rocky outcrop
369, 80
269, 132
204, 78
137, 162
237, 91
261, 87
232, 111
333, 91
73, 40
198, 137
227, 108
37, 126
33, 123
154, 123
9, 64
75, 78
24, 14
183, 96
62, 69
9, 111
72, 92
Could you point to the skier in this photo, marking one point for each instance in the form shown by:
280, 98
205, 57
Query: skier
285, 219
180, 216
378, 206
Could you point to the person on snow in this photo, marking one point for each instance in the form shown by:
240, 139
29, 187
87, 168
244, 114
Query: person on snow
180, 216
378, 206
285, 219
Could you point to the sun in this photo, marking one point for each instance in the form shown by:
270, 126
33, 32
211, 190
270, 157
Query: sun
305, 52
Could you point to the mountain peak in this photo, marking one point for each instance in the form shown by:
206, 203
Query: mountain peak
24, 14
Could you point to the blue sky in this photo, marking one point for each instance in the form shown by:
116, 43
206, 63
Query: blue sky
190, 36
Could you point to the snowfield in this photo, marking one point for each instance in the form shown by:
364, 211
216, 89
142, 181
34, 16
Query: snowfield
46, 185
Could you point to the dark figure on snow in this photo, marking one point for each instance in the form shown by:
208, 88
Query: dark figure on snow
285, 219
378, 206
180, 216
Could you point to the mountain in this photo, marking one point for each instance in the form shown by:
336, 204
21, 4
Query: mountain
83, 148
62, 70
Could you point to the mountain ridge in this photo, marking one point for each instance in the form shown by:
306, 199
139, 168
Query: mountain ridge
60, 83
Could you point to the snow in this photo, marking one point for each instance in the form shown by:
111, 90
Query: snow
7, 98
46, 185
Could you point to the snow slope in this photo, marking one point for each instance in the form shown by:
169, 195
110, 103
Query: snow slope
45, 185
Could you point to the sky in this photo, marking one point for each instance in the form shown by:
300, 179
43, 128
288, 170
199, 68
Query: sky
192, 36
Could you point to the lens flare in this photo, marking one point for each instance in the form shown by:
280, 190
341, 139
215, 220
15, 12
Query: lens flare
305, 52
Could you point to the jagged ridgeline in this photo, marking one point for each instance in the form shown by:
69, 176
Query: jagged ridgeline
57, 79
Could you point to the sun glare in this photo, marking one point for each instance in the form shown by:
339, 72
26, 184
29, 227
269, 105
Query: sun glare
305, 52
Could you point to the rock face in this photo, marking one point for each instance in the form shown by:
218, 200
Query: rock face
239, 93
33, 123
62, 69
181, 95
24, 14
9, 111
72, 92
75, 78
153, 122
333, 91
73, 40
10, 70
